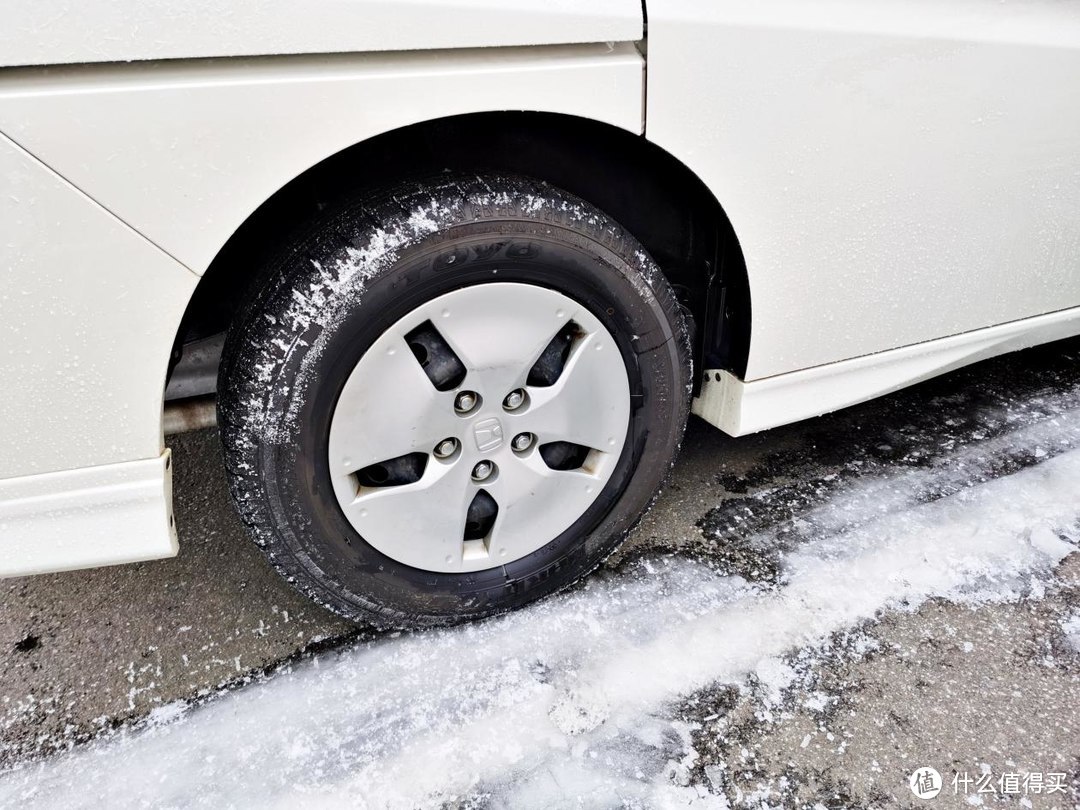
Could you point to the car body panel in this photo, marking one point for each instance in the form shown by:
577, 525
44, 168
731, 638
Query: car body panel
88, 314
896, 171
186, 151
54, 32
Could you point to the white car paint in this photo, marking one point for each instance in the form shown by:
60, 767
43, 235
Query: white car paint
896, 171
54, 32
902, 176
88, 314
185, 151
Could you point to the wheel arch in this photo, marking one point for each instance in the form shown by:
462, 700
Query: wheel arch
651, 193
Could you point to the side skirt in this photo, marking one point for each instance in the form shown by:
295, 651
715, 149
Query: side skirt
739, 407
112, 513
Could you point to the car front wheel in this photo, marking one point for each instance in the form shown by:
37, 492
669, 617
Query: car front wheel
451, 398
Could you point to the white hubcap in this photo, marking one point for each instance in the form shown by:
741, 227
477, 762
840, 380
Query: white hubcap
489, 433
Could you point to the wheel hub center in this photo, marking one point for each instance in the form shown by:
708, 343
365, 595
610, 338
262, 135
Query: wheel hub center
488, 434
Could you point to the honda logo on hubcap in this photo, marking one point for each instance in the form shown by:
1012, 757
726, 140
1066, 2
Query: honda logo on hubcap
488, 433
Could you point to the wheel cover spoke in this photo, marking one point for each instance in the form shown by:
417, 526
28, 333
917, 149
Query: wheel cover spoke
526, 493
389, 408
576, 409
425, 519
492, 336
393, 395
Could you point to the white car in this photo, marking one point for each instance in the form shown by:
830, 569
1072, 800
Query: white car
472, 262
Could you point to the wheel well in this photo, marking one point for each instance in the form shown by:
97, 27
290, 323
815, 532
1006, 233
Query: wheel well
653, 195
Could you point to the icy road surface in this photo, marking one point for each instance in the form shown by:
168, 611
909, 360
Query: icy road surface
573, 702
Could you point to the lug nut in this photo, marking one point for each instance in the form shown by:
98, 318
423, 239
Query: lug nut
465, 401
483, 471
446, 448
522, 442
514, 400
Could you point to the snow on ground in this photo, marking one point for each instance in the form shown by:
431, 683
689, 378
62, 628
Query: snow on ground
567, 702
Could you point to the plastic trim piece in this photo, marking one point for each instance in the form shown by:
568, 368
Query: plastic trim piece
738, 407
113, 513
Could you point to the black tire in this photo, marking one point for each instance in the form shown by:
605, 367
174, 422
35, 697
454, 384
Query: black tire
316, 307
